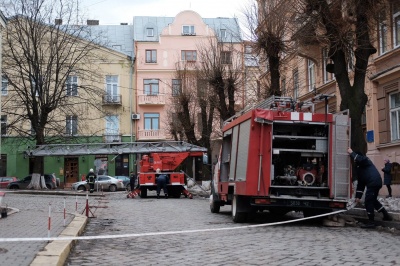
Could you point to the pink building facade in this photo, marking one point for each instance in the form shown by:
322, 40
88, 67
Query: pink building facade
162, 45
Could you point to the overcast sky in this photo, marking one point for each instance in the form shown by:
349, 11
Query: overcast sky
114, 12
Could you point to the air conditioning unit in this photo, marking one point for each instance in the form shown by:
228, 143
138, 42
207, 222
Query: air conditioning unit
135, 116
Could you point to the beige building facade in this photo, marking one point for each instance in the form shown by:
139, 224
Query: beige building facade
304, 77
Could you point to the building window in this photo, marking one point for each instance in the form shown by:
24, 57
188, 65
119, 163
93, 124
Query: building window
248, 49
226, 58
150, 32
188, 30
382, 31
283, 87
4, 85
112, 88
176, 87
37, 88
395, 115
151, 86
202, 85
223, 33
396, 21
71, 125
325, 61
33, 132
72, 85
3, 125
117, 47
151, 121
151, 56
199, 122
112, 128
311, 74
296, 84
188, 55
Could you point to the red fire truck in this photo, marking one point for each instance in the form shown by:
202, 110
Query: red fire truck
281, 156
166, 162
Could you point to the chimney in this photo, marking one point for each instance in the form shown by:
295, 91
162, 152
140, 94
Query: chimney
92, 22
58, 21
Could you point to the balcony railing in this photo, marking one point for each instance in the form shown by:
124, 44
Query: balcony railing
112, 99
108, 138
157, 99
150, 134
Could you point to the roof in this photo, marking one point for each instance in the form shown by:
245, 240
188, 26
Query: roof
115, 37
113, 148
3, 19
141, 23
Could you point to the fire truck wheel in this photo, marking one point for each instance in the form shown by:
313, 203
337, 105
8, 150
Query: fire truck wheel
174, 192
143, 192
237, 215
214, 205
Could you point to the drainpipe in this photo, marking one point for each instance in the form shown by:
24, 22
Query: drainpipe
130, 96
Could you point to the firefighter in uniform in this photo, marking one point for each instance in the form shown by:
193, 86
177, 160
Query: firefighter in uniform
90, 179
370, 178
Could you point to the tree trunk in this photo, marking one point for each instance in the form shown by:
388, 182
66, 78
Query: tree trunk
37, 182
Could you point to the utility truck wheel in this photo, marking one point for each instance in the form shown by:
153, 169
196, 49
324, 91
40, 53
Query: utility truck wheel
143, 192
238, 215
214, 205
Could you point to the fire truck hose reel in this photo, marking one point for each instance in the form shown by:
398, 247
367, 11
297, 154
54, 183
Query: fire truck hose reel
308, 178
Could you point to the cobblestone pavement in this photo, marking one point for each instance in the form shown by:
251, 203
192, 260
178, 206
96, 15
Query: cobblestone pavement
31, 221
305, 243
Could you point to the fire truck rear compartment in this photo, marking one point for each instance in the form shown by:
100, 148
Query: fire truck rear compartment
299, 160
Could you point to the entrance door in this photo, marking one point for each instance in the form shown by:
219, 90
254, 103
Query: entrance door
71, 170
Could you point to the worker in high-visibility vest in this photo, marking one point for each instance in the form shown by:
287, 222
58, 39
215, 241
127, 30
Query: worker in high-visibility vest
90, 179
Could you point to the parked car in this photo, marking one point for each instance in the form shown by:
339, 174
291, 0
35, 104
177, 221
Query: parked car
104, 182
49, 179
5, 180
125, 179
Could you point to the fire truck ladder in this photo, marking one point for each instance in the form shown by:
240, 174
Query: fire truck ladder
113, 148
283, 103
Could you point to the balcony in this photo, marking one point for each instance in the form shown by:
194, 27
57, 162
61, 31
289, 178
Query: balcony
147, 99
109, 138
112, 99
149, 134
187, 65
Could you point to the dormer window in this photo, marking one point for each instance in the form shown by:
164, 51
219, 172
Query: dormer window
188, 30
150, 32
223, 33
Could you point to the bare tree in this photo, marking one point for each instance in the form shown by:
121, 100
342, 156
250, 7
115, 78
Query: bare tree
269, 23
193, 106
40, 57
221, 65
346, 28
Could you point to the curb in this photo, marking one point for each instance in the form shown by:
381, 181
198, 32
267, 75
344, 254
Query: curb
361, 215
56, 252
363, 212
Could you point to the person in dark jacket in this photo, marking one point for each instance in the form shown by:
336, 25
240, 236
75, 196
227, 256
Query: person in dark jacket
162, 181
370, 178
387, 176
132, 180
90, 179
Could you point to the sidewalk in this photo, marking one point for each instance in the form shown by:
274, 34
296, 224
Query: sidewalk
27, 217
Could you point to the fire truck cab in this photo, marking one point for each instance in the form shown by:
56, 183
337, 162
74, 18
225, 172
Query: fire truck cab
280, 156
